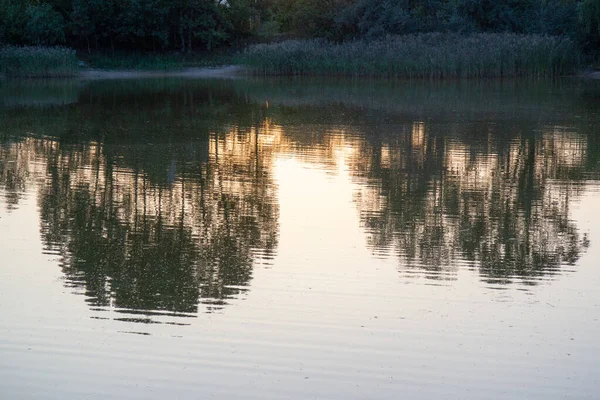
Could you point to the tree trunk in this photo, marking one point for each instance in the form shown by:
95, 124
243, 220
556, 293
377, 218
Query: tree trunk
182, 39
181, 36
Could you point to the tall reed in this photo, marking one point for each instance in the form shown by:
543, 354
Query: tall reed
39, 62
431, 55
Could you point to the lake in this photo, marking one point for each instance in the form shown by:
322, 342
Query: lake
299, 239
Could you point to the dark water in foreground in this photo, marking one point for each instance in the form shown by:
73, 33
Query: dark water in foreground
294, 240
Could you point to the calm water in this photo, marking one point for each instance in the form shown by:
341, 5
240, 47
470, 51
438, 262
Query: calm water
299, 240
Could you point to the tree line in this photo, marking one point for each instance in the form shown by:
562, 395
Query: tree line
186, 25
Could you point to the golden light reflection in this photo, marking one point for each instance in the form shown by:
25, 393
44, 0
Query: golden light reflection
430, 200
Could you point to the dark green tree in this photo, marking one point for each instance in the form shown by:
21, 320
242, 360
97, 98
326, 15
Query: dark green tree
198, 22
588, 14
143, 21
45, 26
13, 20
95, 21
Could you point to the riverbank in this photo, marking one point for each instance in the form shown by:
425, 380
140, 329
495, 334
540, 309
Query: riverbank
420, 56
423, 56
591, 75
226, 71
38, 62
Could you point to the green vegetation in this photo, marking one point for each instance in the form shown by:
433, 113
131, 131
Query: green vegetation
192, 25
150, 25
431, 55
167, 34
192, 145
589, 26
38, 62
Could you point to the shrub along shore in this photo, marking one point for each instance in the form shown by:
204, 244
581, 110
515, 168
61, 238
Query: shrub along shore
428, 55
38, 62
360, 38
418, 56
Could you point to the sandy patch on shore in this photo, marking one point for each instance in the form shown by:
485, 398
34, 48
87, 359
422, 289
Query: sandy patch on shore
229, 71
591, 75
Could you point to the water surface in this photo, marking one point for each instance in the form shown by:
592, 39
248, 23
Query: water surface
299, 239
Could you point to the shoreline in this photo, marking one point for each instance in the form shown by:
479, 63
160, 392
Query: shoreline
591, 75
221, 72
226, 72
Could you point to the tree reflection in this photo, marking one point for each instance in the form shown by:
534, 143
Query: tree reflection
476, 174
161, 195
503, 205
155, 205
18, 168
137, 244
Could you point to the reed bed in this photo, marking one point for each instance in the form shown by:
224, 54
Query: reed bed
431, 56
38, 62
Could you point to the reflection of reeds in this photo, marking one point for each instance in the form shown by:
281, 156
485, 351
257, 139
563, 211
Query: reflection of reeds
434, 55
43, 62
39, 93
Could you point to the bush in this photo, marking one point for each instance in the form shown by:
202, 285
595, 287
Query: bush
13, 19
38, 62
432, 55
377, 18
589, 26
44, 25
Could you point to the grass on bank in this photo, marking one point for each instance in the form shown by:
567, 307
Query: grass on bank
431, 55
39, 62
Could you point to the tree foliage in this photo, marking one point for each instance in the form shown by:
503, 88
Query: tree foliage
129, 24
588, 13
186, 25
376, 18
44, 25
